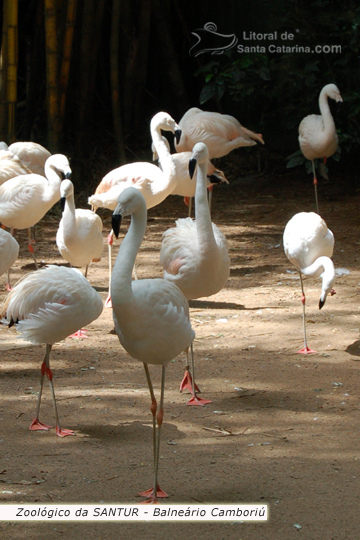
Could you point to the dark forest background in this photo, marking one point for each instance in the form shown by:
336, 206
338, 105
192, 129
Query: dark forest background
84, 77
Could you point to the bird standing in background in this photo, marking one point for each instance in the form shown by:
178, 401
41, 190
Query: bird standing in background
9, 252
308, 245
317, 132
221, 133
151, 316
79, 236
154, 183
194, 254
186, 186
24, 200
34, 155
46, 307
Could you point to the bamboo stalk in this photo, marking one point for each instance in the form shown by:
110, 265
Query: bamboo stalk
66, 58
3, 74
115, 78
52, 75
12, 56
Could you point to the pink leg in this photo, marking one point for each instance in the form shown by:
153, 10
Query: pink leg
155, 492
195, 400
80, 334
36, 425
306, 349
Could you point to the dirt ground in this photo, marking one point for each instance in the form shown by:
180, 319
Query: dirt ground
282, 428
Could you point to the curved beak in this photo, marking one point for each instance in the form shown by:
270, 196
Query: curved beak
116, 223
177, 135
218, 177
192, 167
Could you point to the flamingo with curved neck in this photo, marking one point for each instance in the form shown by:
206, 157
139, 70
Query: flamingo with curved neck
309, 244
24, 200
151, 316
194, 254
154, 184
317, 133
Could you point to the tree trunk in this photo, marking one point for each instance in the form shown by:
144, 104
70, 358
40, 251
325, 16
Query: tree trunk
36, 86
52, 75
12, 50
66, 58
115, 78
3, 75
136, 69
169, 57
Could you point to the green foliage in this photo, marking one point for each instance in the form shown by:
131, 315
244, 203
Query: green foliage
286, 86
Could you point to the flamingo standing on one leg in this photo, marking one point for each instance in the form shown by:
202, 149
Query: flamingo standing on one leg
46, 307
151, 316
309, 244
317, 133
194, 254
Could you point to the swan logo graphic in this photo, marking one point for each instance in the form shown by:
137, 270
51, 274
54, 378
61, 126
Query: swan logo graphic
210, 41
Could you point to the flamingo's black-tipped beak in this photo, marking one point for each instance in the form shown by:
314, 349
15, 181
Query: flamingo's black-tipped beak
177, 135
192, 167
321, 303
116, 223
62, 203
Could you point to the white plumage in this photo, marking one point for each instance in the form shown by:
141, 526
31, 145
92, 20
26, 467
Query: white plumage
317, 133
309, 244
11, 166
47, 306
221, 133
194, 254
151, 316
9, 252
154, 183
184, 185
79, 236
24, 200
34, 155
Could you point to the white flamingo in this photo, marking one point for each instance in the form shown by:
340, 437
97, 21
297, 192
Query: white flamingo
221, 133
79, 236
47, 306
24, 200
317, 133
9, 252
151, 315
185, 186
34, 155
155, 184
309, 244
194, 254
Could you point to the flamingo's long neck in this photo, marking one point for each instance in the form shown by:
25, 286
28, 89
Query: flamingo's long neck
69, 219
324, 267
167, 163
328, 120
202, 212
121, 289
52, 193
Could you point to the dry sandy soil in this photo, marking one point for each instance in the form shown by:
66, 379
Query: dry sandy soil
282, 428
